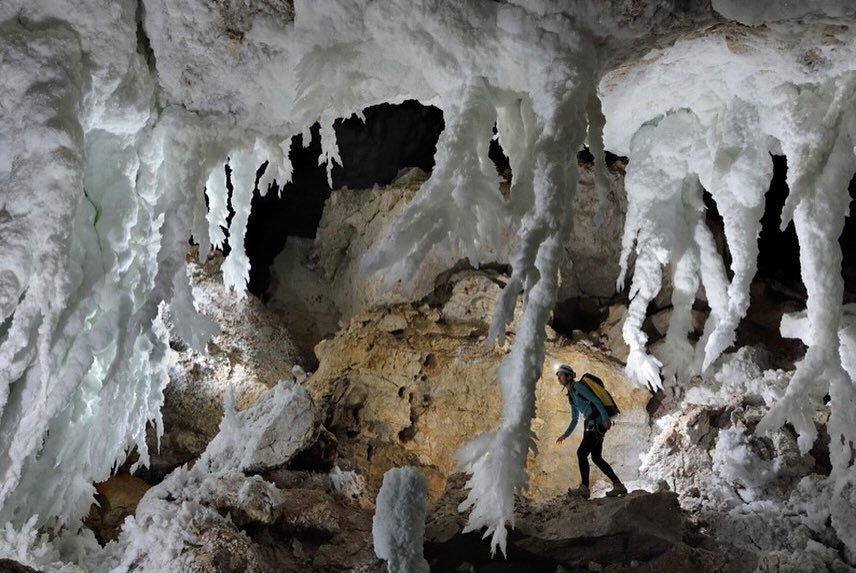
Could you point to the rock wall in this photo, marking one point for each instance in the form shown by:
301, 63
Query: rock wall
591, 267
352, 223
410, 386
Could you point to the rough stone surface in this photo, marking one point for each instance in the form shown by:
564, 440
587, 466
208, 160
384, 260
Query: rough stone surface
302, 297
415, 395
224, 549
610, 330
591, 267
9, 566
567, 533
252, 352
473, 298
754, 498
354, 221
116, 499
289, 431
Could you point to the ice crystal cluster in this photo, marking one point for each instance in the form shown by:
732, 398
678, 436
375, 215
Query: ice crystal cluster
115, 116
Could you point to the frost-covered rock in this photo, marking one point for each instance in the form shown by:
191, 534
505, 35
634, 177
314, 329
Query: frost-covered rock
252, 351
265, 437
749, 490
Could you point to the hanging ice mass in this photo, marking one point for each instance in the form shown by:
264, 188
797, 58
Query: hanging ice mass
112, 179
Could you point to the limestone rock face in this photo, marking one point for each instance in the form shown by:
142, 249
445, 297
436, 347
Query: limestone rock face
353, 221
116, 498
405, 387
591, 267
252, 352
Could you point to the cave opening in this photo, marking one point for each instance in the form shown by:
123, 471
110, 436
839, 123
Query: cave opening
373, 151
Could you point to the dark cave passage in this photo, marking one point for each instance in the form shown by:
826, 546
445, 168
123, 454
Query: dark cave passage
393, 137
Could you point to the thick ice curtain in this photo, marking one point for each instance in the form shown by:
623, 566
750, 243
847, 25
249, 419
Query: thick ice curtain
83, 349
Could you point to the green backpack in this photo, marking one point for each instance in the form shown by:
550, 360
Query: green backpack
597, 388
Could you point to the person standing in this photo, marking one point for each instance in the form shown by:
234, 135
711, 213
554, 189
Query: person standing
595, 425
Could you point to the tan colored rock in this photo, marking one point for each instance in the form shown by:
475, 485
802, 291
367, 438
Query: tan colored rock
116, 499
417, 395
473, 298
309, 511
224, 549
610, 330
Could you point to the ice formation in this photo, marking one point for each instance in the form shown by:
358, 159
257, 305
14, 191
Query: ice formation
398, 526
106, 147
758, 97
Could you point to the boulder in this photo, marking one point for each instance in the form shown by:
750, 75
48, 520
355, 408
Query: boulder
221, 548
267, 436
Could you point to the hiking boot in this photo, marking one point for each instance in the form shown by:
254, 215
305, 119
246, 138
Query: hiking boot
582, 491
617, 489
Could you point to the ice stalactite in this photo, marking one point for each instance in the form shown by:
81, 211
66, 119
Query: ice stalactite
663, 207
765, 104
737, 176
670, 162
79, 287
497, 460
818, 178
459, 210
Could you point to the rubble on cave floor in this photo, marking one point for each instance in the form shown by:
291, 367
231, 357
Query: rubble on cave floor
641, 532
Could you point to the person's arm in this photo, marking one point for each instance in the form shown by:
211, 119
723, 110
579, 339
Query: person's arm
584, 391
575, 415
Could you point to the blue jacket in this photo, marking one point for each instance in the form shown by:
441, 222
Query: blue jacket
583, 400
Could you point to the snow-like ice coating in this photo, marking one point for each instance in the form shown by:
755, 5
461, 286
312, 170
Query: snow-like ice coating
398, 526
105, 149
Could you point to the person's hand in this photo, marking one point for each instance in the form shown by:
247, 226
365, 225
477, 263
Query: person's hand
607, 424
560, 439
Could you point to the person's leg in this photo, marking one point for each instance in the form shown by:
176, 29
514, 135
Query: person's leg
583, 454
596, 448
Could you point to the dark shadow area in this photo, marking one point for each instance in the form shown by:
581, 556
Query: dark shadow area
373, 152
778, 258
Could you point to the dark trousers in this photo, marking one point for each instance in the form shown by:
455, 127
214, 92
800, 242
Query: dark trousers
592, 445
